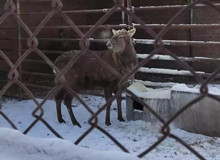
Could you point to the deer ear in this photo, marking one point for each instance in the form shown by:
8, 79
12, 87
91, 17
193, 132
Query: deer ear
131, 32
114, 31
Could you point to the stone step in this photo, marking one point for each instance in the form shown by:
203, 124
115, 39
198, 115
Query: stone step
202, 117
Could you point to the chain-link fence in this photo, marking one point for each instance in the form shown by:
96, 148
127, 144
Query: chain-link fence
84, 43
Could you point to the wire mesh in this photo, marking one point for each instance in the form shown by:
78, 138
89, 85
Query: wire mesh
159, 47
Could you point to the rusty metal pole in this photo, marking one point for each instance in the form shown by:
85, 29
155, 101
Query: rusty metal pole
18, 12
129, 7
191, 30
0, 102
123, 13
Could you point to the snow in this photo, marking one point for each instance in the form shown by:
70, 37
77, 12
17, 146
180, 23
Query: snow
136, 136
178, 25
167, 71
173, 6
21, 147
164, 6
169, 58
213, 89
177, 42
156, 84
157, 57
142, 92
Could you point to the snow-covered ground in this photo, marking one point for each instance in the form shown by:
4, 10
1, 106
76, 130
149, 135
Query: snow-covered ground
136, 136
14, 145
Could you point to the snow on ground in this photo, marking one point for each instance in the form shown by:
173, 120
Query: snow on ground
25, 147
136, 136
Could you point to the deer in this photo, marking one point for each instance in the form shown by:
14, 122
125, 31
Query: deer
87, 73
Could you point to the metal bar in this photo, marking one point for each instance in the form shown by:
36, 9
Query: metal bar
38, 86
123, 13
138, 41
191, 31
48, 51
142, 56
35, 61
129, 7
49, 75
144, 8
92, 93
105, 10
18, 11
153, 26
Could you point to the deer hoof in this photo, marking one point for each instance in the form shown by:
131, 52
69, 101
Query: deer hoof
108, 123
62, 121
77, 124
121, 119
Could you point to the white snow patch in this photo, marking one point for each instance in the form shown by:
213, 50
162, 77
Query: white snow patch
212, 89
136, 136
170, 58
16, 146
167, 71
142, 92
156, 84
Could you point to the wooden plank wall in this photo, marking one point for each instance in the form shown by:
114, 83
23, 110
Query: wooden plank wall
162, 16
206, 15
36, 71
200, 15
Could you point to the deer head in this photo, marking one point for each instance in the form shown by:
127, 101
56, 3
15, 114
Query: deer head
120, 40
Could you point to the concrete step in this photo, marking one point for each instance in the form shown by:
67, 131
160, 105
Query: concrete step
202, 117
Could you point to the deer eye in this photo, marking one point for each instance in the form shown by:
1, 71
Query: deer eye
121, 37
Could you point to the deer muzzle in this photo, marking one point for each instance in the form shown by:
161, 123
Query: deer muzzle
109, 45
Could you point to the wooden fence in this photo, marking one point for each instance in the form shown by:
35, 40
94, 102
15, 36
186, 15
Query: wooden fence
194, 37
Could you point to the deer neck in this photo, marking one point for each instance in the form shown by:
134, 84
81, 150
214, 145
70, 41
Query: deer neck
128, 57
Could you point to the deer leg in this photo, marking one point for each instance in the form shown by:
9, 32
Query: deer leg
58, 98
120, 117
68, 101
59, 113
108, 95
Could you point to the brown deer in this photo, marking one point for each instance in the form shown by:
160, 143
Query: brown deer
87, 73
